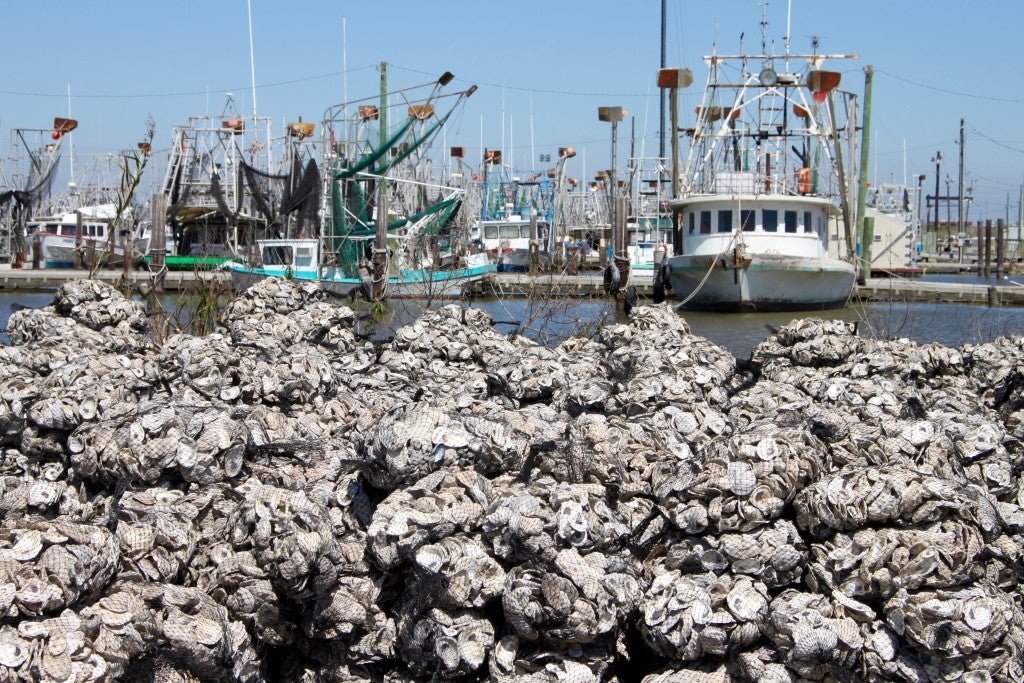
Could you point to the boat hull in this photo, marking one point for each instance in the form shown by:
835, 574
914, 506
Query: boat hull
766, 283
410, 284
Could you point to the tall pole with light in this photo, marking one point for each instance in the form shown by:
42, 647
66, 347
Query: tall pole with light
614, 115
672, 80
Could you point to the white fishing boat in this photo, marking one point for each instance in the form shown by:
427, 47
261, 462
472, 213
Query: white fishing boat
762, 181
517, 210
59, 239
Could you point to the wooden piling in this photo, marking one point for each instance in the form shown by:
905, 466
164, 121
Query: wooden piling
988, 248
1000, 247
77, 260
158, 241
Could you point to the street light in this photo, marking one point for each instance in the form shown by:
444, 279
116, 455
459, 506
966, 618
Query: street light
613, 115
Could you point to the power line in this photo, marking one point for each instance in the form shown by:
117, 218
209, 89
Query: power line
529, 89
950, 92
996, 142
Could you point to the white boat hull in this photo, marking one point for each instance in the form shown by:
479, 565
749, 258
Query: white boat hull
767, 283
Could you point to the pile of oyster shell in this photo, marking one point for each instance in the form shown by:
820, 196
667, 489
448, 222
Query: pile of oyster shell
280, 501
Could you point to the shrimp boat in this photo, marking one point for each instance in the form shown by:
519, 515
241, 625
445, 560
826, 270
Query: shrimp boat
384, 219
762, 182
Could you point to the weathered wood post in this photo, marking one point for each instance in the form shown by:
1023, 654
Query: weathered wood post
78, 240
158, 241
534, 244
1000, 247
988, 248
980, 239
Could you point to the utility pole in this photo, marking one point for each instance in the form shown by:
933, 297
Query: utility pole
938, 174
960, 202
661, 131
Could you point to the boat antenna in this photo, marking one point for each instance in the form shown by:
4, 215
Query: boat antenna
252, 61
789, 16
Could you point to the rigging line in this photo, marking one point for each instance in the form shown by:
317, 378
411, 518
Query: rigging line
529, 89
949, 92
996, 142
189, 93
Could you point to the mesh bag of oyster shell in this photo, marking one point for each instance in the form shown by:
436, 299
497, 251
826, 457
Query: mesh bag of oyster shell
440, 504
569, 600
687, 618
444, 644
775, 555
273, 295
512, 660
158, 534
857, 496
741, 482
872, 564
812, 638
46, 566
158, 437
972, 629
289, 536
97, 305
416, 439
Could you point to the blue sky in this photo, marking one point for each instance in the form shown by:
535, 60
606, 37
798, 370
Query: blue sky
543, 69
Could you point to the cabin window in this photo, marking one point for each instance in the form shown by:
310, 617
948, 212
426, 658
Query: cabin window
304, 257
508, 232
705, 222
747, 220
491, 232
878, 238
808, 225
770, 220
790, 219
693, 221
277, 256
725, 221
52, 229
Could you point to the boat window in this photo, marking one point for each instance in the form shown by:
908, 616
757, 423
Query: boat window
725, 221
747, 220
304, 257
508, 231
277, 256
692, 221
878, 238
524, 232
491, 232
808, 225
705, 222
52, 228
770, 220
790, 218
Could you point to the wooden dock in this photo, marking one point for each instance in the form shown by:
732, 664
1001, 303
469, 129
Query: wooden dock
51, 278
584, 284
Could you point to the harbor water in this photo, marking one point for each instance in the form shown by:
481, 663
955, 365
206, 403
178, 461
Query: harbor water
549, 321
